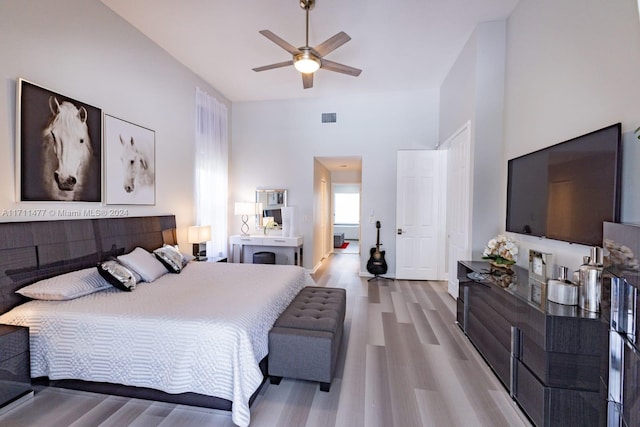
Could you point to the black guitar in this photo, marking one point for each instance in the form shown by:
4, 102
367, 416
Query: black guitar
377, 264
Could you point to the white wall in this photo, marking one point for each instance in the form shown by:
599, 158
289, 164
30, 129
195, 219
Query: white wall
83, 50
275, 143
572, 67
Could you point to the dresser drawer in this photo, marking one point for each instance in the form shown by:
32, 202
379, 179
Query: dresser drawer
14, 340
530, 394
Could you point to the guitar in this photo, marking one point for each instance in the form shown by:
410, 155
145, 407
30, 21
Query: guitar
377, 264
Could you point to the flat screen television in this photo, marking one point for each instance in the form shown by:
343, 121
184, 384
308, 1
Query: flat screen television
566, 191
276, 214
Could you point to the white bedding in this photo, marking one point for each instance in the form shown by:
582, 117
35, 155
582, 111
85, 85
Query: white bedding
204, 330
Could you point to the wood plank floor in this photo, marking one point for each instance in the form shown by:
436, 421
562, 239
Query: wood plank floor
403, 363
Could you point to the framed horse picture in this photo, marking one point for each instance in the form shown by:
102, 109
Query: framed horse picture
59, 155
129, 163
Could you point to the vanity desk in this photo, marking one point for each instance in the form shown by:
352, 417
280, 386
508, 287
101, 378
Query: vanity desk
550, 357
288, 250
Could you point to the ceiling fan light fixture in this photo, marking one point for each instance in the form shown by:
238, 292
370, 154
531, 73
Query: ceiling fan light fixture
306, 63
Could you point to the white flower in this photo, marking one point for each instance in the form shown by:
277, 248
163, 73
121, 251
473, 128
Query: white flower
501, 246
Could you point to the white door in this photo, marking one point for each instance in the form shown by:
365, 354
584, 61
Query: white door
458, 148
419, 215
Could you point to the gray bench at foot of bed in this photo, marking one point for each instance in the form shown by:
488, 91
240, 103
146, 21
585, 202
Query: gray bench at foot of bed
305, 340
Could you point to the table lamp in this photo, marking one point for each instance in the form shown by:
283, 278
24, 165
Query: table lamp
245, 209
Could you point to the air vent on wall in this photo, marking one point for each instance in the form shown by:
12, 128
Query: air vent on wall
329, 117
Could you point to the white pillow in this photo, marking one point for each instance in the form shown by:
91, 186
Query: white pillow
66, 286
143, 263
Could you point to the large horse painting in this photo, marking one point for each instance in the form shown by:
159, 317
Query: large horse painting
60, 147
129, 163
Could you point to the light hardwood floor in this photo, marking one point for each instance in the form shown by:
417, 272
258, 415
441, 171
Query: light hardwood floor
403, 363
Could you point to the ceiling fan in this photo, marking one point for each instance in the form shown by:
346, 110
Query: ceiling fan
308, 59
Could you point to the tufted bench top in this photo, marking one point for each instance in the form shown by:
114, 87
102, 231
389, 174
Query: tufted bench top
315, 309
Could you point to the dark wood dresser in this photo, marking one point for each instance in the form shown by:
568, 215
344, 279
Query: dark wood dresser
15, 378
551, 358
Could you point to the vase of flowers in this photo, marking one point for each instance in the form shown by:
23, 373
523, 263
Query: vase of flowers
502, 252
269, 225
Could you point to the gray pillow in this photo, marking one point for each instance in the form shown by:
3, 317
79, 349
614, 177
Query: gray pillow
143, 263
66, 286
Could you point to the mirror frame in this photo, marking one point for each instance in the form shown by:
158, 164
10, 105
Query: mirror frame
267, 195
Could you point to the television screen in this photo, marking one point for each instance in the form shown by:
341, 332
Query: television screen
566, 191
275, 213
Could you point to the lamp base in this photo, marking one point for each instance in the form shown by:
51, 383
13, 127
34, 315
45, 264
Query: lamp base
245, 227
200, 251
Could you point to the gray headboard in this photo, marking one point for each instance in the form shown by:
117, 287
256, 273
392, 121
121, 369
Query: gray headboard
31, 251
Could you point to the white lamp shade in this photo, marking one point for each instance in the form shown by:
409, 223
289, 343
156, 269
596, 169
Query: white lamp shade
199, 234
247, 208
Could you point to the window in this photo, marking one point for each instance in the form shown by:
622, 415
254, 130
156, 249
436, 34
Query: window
347, 208
211, 153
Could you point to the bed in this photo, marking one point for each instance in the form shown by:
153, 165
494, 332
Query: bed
202, 333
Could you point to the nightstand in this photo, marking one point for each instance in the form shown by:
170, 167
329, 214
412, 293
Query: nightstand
215, 259
15, 372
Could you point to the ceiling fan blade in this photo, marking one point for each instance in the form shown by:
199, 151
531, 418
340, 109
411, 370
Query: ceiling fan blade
332, 44
307, 80
280, 42
272, 66
340, 68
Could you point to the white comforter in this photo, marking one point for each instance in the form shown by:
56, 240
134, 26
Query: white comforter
203, 330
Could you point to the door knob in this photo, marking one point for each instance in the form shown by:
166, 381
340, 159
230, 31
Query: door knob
399, 231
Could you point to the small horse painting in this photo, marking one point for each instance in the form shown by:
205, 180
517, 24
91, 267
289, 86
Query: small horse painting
67, 151
129, 163
137, 164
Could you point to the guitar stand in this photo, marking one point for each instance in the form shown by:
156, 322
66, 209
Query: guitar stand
376, 277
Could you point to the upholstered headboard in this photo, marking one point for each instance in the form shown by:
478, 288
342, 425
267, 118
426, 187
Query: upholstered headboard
31, 251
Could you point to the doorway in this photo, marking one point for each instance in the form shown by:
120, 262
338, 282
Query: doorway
346, 218
344, 170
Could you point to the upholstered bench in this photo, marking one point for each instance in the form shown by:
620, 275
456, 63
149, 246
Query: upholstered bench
305, 339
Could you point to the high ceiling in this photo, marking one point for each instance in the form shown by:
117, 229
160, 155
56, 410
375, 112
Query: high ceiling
399, 44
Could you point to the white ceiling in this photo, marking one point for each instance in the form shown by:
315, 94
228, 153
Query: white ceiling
399, 44
341, 164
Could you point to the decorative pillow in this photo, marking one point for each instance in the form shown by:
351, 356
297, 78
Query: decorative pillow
143, 263
170, 257
66, 286
118, 275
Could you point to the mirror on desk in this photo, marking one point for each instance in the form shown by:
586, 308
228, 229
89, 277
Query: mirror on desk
272, 201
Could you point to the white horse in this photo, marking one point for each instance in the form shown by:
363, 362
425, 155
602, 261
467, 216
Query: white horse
137, 164
67, 151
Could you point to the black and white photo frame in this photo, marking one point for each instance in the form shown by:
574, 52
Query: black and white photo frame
59, 153
129, 151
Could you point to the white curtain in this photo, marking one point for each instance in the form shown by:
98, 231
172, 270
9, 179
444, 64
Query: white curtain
211, 170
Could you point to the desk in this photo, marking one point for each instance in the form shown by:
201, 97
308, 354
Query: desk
291, 247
